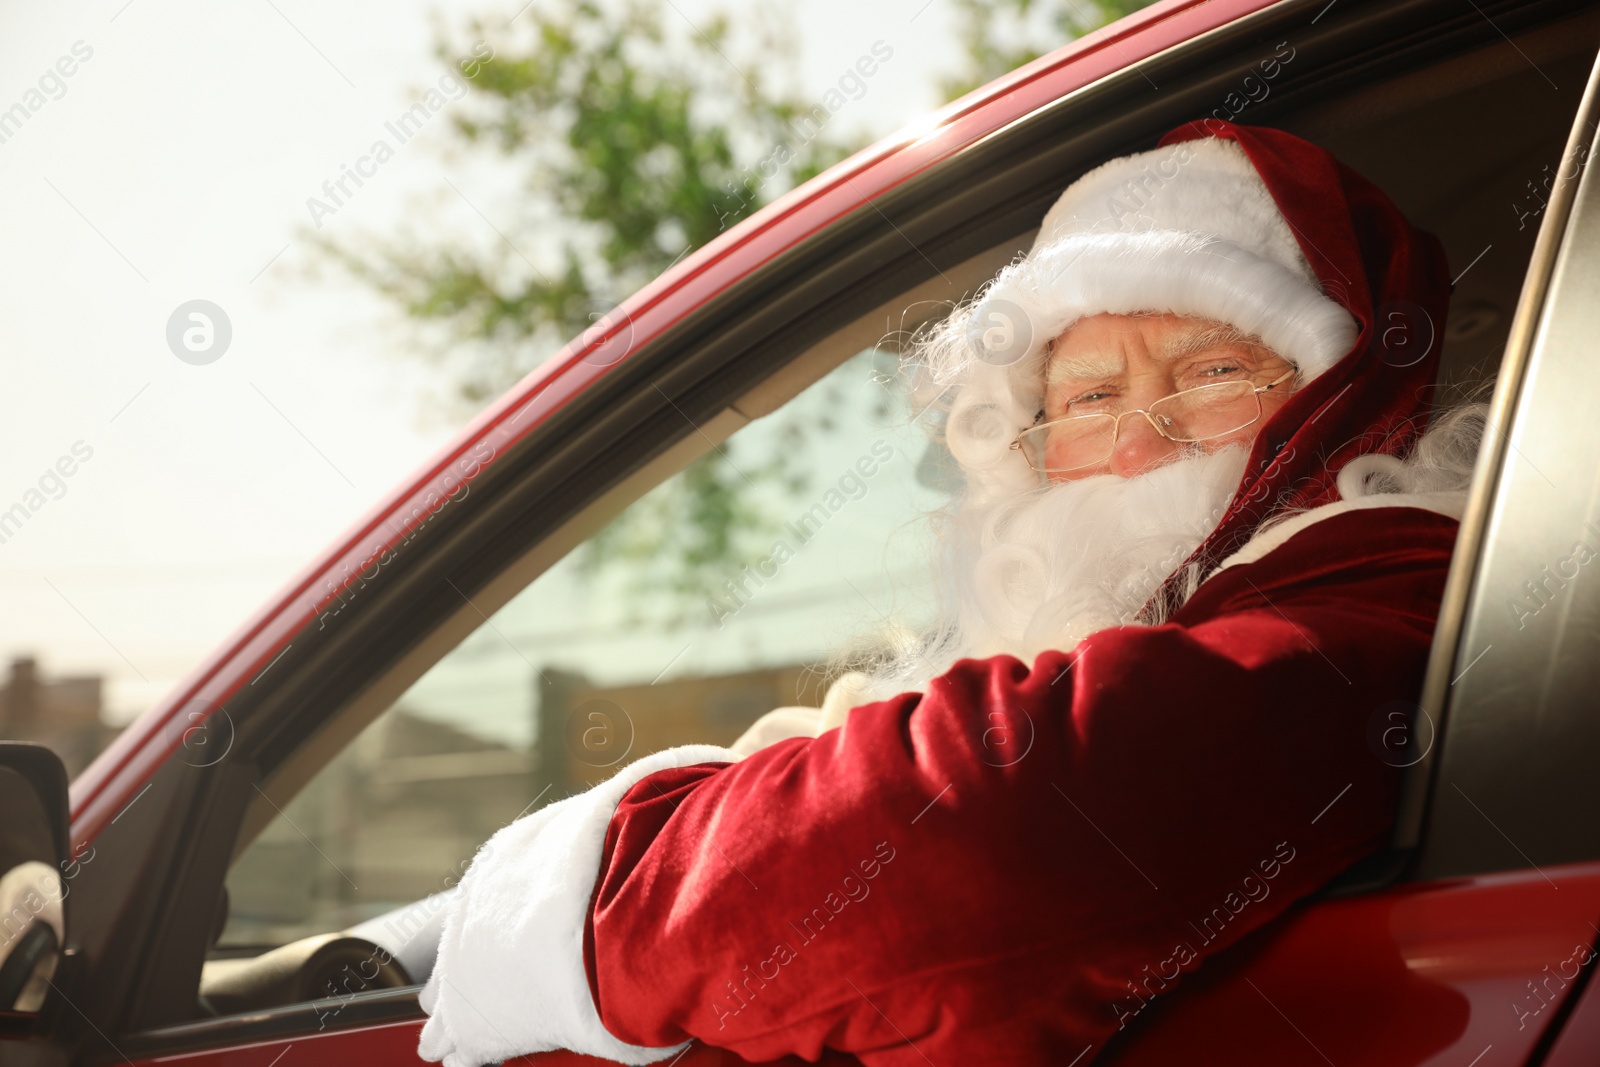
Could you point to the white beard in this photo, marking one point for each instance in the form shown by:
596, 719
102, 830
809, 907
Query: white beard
1043, 569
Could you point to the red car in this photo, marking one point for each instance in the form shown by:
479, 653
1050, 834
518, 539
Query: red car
200, 925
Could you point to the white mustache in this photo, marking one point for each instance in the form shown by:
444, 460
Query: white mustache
1042, 568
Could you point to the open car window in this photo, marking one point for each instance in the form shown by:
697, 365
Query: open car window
599, 661
713, 599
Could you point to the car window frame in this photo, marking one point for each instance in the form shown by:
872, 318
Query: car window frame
731, 357
787, 381
1466, 689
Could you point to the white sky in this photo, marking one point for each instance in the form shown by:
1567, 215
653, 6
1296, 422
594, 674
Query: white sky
176, 166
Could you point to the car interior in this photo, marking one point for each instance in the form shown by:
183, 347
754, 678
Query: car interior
1462, 125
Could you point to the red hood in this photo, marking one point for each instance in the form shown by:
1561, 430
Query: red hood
1392, 277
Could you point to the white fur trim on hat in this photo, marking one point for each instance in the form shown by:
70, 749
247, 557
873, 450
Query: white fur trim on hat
1188, 228
1184, 273
1207, 186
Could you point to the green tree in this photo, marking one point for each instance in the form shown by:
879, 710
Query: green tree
637, 136
1002, 35
635, 142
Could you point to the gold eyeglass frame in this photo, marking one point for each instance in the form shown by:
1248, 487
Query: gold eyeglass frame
1016, 445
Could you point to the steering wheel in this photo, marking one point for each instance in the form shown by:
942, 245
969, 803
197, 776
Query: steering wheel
27, 961
314, 968
34, 951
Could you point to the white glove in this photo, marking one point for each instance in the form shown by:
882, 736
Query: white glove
781, 723
510, 978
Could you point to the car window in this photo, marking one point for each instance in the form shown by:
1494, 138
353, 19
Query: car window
1522, 669
714, 598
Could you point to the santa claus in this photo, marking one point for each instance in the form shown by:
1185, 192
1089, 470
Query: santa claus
1201, 543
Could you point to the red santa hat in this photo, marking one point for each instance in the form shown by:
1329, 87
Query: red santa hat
1187, 228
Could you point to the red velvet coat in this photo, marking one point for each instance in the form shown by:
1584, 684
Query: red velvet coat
1006, 869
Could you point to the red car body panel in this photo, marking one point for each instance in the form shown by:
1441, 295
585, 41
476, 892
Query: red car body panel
1437, 973
1466, 973
1576, 1045
108, 785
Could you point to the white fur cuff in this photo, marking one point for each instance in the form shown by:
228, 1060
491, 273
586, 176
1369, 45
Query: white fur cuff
510, 978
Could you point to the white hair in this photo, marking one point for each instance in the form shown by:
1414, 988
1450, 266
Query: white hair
1023, 565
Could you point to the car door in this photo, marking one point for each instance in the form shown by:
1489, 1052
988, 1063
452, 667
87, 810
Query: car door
732, 334
1479, 943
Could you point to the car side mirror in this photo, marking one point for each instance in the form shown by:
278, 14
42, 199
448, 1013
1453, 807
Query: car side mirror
33, 855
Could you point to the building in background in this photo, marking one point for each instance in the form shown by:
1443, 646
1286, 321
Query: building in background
400, 811
588, 731
64, 713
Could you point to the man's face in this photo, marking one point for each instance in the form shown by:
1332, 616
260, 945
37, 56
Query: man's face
1117, 363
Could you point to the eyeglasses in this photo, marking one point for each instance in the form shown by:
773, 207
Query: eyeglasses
1204, 413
